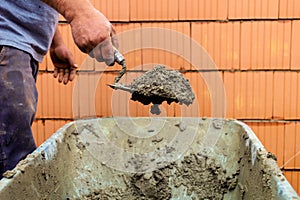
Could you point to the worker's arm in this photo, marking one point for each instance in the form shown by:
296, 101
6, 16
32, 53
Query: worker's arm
62, 59
90, 27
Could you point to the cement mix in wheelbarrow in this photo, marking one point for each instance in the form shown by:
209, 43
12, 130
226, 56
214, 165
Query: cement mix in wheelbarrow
142, 158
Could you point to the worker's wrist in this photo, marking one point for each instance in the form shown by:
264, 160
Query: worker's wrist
57, 40
71, 9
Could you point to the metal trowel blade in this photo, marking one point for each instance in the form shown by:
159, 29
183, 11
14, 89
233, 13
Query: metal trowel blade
121, 87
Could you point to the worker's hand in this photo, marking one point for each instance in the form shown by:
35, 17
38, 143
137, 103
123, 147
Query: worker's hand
64, 64
94, 34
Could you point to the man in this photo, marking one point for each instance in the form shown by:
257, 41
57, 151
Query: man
27, 32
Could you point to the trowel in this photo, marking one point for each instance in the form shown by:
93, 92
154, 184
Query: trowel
119, 58
158, 85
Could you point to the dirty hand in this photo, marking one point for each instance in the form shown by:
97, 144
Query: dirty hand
91, 30
64, 64
94, 34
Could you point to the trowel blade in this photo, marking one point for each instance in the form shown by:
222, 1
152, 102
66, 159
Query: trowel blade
121, 87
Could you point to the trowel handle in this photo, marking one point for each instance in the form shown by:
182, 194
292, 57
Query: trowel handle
119, 58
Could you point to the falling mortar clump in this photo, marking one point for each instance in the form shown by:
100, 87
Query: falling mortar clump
160, 84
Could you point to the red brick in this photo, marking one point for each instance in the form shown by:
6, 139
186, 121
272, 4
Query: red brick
289, 9
253, 9
221, 41
265, 45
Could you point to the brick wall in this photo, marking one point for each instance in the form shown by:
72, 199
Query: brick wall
253, 43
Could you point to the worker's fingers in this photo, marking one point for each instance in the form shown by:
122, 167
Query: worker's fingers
107, 52
66, 76
91, 54
97, 53
55, 74
61, 75
73, 72
104, 52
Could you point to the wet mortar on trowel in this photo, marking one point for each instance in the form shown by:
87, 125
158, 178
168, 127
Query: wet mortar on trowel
160, 84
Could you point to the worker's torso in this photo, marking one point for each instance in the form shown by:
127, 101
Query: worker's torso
28, 25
